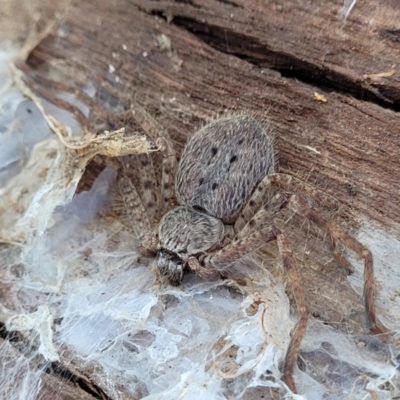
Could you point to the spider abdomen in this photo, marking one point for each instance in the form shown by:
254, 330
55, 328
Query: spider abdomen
221, 165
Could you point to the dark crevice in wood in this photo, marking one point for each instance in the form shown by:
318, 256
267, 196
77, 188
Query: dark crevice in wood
11, 337
256, 53
3, 332
230, 3
391, 34
54, 368
191, 3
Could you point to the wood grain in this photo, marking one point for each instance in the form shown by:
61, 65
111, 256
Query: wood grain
188, 61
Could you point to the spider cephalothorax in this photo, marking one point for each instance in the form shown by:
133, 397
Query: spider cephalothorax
182, 233
226, 187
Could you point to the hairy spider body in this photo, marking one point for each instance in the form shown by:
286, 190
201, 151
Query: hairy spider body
226, 187
212, 188
221, 165
182, 233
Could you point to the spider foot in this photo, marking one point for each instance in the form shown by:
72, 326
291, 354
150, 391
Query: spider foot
206, 271
340, 257
148, 246
145, 252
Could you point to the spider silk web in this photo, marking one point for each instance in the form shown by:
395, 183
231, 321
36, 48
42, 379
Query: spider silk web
76, 295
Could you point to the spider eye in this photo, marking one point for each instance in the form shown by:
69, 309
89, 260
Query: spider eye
199, 209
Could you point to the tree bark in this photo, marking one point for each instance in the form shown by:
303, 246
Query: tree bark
328, 86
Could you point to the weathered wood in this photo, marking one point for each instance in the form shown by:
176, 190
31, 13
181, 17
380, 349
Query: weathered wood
50, 386
159, 54
307, 40
344, 145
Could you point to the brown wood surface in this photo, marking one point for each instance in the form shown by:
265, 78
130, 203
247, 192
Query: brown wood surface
356, 141
52, 386
303, 39
188, 61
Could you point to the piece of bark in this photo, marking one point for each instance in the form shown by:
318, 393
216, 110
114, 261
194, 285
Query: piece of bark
49, 386
346, 147
343, 146
307, 40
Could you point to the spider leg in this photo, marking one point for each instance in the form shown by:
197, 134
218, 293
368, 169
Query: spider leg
339, 256
145, 181
169, 168
135, 210
283, 181
290, 266
169, 161
295, 185
258, 231
149, 245
302, 207
143, 203
204, 272
256, 200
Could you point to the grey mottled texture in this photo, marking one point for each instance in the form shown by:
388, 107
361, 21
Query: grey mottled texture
227, 176
221, 165
187, 232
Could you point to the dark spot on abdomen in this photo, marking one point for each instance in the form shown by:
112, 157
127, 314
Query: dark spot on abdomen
148, 184
200, 209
